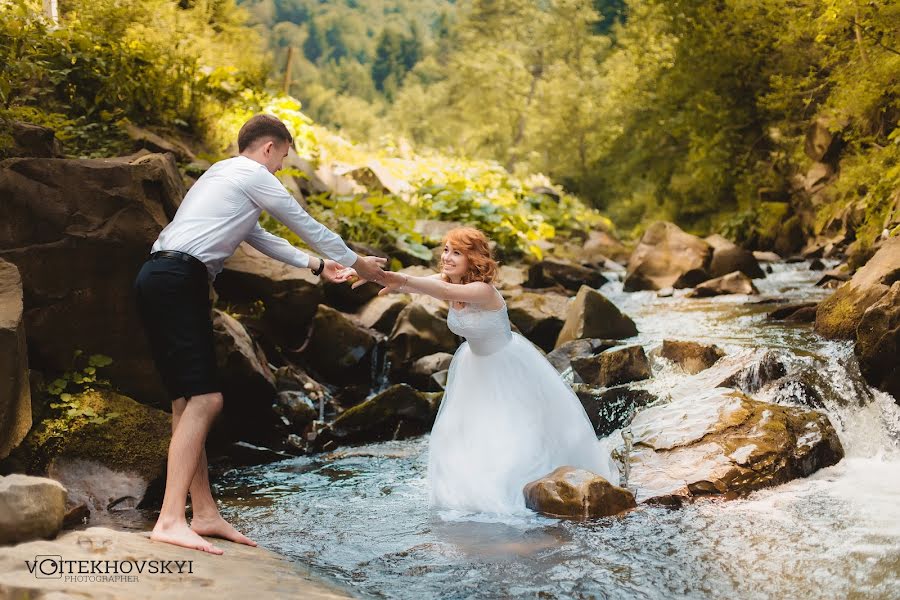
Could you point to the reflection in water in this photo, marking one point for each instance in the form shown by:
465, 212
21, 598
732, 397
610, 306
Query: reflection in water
360, 515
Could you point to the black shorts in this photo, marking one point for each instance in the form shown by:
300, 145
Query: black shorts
175, 308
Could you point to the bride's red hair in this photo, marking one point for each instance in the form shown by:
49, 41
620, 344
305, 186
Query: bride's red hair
477, 250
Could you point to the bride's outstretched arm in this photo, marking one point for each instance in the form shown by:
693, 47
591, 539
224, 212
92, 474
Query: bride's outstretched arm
476, 292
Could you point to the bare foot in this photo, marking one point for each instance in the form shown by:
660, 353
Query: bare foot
220, 528
182, 535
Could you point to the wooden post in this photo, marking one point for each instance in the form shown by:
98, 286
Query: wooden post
287, 70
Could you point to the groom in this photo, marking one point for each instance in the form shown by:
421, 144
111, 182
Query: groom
219, 212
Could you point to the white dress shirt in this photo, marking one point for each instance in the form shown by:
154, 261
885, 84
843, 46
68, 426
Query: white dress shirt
222, 209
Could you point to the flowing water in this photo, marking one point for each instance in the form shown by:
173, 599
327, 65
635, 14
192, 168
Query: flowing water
360, 515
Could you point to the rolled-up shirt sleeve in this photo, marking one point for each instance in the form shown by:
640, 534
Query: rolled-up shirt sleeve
268, 194
277, 248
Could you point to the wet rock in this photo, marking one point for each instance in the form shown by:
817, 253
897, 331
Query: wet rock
346, 299
834, 277
576, 493
15, 391
78, 231
591, 315
748, 370
787, 312
839, 315
613, 367
728, 257
398, 412
247, 382
724, 442
103, 427
692, 357
816, 265
562, 357
420, 330
425, 368
611, 408
243, 571
878, 343
76, 515
790, 237
99, 487
667, 257
550, 272
289, 295
339, 349
381, 312
30, 508
733, 283
539, 317
297, 407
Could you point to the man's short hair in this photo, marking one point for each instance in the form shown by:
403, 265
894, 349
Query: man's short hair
260, 127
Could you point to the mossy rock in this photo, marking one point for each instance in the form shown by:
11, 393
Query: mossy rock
109, 428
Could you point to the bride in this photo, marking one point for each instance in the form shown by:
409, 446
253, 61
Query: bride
507, 418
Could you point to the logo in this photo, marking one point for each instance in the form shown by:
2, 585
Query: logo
46, 566
50, 566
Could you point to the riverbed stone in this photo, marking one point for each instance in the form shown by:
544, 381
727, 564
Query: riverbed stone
15, 391
550, 272
539, 317
839, 315
592, 315
30, 508
611, 408
241, 572
613, 367
340, 349
878, 343
577, 494
423, 370
722, 442
692, 357
667, 257
561, 358
732, 283
398, 412
729, 257
381, 312
420, 330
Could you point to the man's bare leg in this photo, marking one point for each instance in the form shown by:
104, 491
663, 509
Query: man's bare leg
185, 448
207, 520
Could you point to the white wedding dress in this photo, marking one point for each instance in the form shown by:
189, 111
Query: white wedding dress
507, 418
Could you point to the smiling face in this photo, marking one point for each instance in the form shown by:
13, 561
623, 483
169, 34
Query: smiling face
454, 263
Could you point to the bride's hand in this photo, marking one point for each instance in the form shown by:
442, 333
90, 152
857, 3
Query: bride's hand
393, 283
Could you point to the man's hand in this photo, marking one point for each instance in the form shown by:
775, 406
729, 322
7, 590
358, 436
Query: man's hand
369, 268
336, 273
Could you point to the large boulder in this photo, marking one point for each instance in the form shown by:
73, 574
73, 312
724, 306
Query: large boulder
601, 245
613, 367
79, 230
247, 382
423, 371
878, 343
15, 391
591, 315
667, 257
30, 508
539, 317
725, 442
420, 330
339, 349
289, 295
839, 315
728, 257
396, 413
550, 272
100, 444
733, 283
578, 494
381, 312
561, 358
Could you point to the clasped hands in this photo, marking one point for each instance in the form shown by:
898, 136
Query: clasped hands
365, 269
